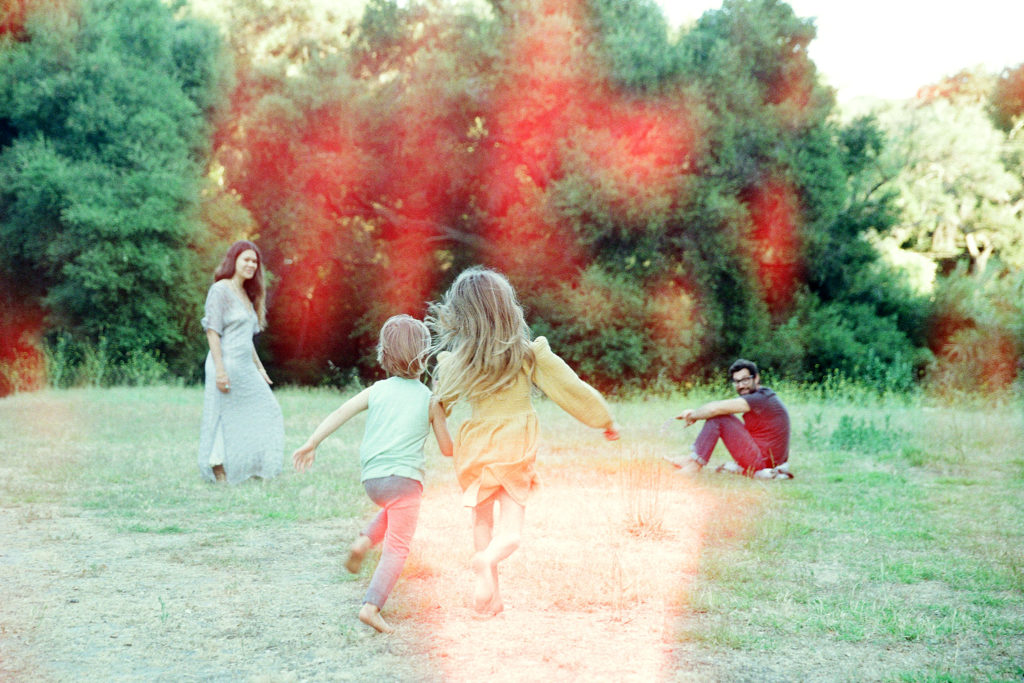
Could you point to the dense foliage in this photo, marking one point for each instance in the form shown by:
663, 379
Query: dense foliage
958, 179
105, 113
663, 201
661, 205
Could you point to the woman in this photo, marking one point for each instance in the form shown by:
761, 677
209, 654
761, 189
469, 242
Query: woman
242, 430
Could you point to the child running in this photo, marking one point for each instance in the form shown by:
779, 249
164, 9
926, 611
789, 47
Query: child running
400, 415
486, 358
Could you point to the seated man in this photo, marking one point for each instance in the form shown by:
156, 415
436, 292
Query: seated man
759, 443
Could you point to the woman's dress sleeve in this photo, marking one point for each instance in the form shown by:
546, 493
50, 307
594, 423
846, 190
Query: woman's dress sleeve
215, 310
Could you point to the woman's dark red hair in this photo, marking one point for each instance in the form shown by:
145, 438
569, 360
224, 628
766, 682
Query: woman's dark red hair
253, 286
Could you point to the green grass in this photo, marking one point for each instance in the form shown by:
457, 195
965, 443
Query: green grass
130, 454
902, 532
905, 524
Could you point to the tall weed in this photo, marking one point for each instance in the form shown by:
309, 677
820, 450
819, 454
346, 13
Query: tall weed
863, 436
640, 483
71, 363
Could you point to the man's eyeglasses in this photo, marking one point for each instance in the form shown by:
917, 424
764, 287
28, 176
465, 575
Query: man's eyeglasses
743, 380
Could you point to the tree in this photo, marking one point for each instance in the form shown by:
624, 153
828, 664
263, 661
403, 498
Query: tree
765, 222
958, 199
957, 188
104, 113
1007, 98
354, 155
660, 206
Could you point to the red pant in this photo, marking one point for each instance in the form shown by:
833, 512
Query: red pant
747, 453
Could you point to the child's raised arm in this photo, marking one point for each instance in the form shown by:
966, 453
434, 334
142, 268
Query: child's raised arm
303, 456
563, 386
439, 421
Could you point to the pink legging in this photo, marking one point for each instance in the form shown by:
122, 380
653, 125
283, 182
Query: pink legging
399, 499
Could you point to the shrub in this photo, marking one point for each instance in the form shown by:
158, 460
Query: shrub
863, 436
70, 362
977, 332
614, 333
849, 339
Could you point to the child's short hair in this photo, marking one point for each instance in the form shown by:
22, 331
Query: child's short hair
403, 346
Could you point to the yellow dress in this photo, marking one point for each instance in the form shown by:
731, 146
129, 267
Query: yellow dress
496, 448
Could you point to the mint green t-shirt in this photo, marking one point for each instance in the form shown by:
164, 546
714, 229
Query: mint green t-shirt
397, 424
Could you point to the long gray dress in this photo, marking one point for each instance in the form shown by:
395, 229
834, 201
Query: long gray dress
245, 424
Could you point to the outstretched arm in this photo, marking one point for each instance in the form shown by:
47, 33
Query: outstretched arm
303, 456
439, 422
729, 406
554, 377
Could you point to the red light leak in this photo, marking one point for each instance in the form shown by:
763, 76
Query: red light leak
419, 175
556, 97
12, 17
638, 148
555, 113
985, 358
775, 242
791, 89
22, 363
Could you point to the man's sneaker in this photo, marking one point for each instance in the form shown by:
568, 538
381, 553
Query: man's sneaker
780, 472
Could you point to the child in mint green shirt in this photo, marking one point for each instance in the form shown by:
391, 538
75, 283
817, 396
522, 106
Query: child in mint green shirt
400, 415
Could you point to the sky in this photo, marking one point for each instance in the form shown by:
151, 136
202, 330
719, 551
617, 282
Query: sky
890, 48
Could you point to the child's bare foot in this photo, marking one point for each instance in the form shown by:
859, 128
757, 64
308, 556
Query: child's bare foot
495, 608
370, 615
484, 589
356, 552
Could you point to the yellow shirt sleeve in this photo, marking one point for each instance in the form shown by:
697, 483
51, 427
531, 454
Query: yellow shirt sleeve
557, 380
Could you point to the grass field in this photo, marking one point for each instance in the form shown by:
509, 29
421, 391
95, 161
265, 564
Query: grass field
896, 554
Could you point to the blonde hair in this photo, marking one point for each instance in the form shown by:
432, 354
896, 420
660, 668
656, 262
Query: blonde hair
404, 346
479, 320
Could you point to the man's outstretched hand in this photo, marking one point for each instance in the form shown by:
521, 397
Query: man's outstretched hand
687, 417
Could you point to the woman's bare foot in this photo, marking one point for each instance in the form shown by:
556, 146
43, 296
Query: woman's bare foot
484, 588
356, 552
370, 615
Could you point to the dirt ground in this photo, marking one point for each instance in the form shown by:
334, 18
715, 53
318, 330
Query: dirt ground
586, 600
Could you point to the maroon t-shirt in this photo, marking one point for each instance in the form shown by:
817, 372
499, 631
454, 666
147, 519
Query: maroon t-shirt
768, 422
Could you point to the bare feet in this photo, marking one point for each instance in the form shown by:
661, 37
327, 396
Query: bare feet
495, 608
356, 552
370, 615
484, 588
